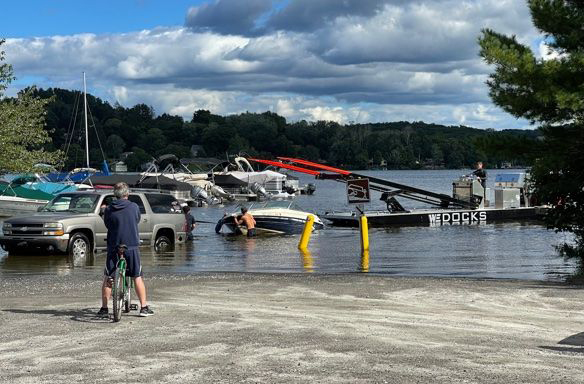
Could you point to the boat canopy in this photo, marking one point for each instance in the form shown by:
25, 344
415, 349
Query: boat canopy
18, 191
139, 181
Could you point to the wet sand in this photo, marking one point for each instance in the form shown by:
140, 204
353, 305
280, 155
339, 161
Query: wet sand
256, 328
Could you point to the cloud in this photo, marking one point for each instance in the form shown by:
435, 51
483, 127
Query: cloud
228, 16
310, 15
363, 60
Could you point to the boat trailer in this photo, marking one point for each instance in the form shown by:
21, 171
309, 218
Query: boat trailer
389, 189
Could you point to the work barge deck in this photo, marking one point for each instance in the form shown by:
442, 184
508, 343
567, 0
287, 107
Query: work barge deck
467, 205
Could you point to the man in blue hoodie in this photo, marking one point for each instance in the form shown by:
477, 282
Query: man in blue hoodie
121, 219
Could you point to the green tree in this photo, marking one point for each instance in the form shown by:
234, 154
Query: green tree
137, 159
115, 146
550, 92
22, 133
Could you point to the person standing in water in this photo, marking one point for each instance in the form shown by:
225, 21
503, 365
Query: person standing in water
190, 222
248, 220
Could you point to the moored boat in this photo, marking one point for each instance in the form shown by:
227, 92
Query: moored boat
16, 200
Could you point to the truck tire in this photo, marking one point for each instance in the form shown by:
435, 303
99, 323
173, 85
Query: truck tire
79, 246
162, 244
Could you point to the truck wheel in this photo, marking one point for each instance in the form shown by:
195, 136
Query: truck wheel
79, 245
162, 244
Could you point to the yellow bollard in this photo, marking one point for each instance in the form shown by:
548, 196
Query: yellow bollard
365, 261
305, 238
364, 233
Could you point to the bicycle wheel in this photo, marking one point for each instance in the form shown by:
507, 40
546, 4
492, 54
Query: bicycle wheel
118, 294
128, 295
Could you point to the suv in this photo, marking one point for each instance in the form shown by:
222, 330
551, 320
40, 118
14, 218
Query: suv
73, 223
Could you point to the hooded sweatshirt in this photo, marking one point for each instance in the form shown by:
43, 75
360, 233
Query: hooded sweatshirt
121, 218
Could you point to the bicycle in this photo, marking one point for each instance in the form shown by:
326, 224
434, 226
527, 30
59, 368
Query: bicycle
121, 286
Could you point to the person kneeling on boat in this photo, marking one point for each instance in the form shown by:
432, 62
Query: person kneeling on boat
248, 220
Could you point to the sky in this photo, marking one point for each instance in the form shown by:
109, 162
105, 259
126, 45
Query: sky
343, 60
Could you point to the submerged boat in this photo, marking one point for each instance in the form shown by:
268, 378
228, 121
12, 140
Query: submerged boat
277, 217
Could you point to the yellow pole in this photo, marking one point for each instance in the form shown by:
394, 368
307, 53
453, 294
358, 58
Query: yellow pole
305, 238
364, 233
365, 261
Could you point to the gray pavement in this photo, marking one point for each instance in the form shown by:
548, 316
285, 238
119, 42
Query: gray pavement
255, 328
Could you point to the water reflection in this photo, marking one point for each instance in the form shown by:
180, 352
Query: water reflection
44, 264
307, 261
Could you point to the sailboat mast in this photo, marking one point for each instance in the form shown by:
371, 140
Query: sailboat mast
85, 113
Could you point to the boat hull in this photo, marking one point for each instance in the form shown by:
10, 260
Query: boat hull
274, 224
13, 206
436, 217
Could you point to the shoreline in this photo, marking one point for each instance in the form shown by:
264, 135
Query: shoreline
262, 327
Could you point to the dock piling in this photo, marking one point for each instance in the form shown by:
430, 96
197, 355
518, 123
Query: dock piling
305, 238
364, 229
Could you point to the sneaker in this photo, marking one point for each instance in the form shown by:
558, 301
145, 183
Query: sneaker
146, 311
103, 312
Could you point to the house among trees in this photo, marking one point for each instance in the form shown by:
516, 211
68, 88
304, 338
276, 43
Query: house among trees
119, 166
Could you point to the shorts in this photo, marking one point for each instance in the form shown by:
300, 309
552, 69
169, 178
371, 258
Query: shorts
251, 232
133, 264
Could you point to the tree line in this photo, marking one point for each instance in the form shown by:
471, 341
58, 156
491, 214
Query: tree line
116, 130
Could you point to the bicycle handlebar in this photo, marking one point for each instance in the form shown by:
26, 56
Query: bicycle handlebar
122, 248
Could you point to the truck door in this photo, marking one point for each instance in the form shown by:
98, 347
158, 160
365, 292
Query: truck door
100, 229
145, 225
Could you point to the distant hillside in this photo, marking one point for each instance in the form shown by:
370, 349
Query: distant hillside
395, 145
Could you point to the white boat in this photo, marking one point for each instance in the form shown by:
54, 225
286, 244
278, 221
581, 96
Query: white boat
15, 199
274, 216
14, 205
202, 189
252, 184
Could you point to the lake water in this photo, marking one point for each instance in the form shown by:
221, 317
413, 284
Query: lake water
505, 250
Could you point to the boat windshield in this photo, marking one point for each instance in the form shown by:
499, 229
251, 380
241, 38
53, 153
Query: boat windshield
77, 203
286, 204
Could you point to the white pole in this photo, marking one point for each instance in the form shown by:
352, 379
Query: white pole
85, 113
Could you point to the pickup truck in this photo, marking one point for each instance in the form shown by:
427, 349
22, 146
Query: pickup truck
73, 223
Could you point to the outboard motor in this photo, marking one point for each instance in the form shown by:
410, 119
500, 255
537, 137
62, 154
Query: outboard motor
258, 189
290, 190
217, 191
199, 193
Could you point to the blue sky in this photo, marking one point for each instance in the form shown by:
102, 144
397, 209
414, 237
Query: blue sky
68, 17
347, 61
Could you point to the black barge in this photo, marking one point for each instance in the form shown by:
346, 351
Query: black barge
468, 204
435, 217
